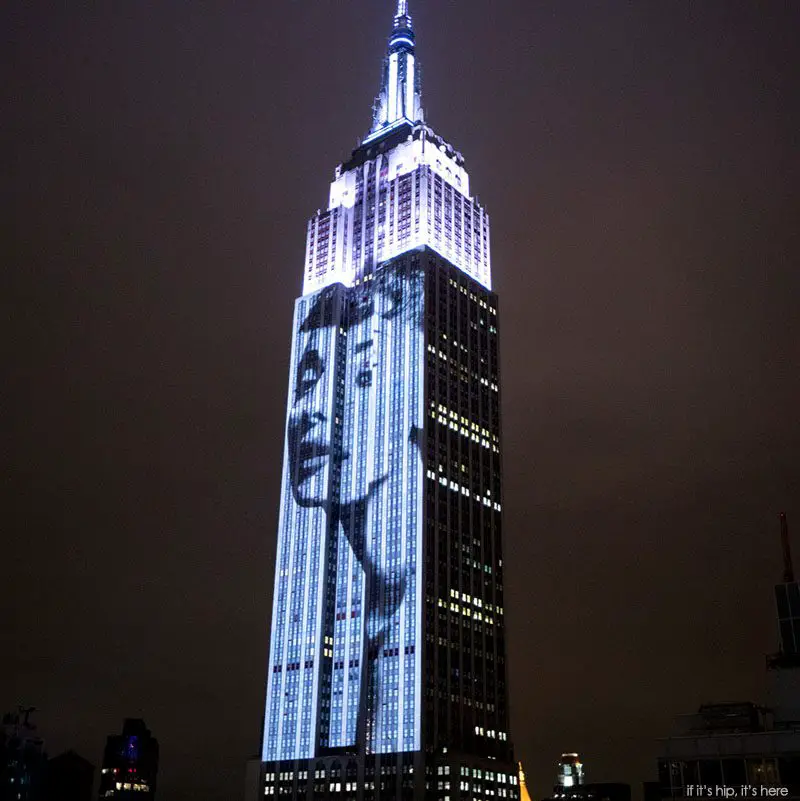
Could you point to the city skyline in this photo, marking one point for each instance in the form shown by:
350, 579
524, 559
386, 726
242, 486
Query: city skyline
639, 167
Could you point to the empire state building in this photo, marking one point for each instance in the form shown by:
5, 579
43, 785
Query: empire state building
387, 674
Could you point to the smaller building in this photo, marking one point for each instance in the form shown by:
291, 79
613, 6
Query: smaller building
738, 744
23, 759
130, 763
571, 783
570, 772
729, 744
69, 778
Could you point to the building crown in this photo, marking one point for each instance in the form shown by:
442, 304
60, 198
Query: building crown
399, 100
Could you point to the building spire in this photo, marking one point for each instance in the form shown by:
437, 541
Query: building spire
399, 98
524, 795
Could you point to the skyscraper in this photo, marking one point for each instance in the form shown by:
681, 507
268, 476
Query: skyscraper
387, 662
130, 763
23, 760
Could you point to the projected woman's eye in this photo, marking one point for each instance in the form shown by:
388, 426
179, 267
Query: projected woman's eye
309, 372
363, 378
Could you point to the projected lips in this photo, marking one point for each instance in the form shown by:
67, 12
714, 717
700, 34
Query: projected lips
312, 457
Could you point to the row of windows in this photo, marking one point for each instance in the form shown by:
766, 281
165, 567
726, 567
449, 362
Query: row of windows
470, 253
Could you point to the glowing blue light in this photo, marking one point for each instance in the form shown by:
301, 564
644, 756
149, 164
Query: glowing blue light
410, 85
393, 86
373, 388
386, 129
402, 40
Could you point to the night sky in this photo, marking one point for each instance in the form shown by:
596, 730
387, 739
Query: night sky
641, 165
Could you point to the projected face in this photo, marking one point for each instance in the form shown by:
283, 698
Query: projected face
309, 429
354, 476
392, 523
380, 320
308, 436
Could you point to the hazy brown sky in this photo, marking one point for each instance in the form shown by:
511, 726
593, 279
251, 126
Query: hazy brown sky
640, 164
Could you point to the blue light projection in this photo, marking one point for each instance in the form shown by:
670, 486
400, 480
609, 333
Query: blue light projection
345, 653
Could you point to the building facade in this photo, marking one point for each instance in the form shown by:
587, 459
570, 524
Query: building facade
733, 745
738, 744
570, 772
130, 763
571, 783
23, 759
387, 663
